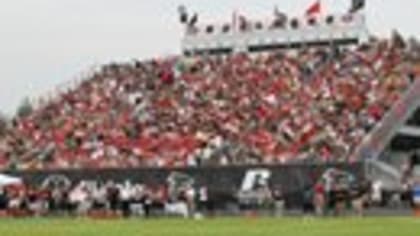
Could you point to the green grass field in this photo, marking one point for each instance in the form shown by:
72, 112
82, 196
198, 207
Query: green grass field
216, 227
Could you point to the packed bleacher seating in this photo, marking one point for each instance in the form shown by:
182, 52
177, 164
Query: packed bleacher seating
312, 104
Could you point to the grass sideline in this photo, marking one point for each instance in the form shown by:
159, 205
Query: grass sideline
213, 227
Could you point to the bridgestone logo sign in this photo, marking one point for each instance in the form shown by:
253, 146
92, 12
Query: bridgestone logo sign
256, 177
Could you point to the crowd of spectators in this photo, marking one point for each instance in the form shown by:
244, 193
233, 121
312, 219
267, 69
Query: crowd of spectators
311, 104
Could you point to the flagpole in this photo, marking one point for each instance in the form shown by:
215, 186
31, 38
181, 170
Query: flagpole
322, 6
234, 20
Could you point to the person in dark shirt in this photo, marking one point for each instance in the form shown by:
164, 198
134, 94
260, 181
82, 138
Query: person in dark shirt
308, 196
113, 196
147, 202
341, 198
3, 200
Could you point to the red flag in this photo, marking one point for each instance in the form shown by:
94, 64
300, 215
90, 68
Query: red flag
314, 9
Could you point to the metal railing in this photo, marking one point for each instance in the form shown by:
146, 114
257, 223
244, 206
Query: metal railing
41, 100
375, 143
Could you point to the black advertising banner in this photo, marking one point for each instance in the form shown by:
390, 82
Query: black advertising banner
221, 181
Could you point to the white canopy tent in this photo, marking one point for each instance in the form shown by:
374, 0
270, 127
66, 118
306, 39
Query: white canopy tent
6, 180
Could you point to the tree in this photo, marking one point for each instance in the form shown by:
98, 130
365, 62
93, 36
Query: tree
4, 122
25, 108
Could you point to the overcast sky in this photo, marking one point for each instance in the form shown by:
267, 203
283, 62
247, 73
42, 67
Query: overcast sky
44, 43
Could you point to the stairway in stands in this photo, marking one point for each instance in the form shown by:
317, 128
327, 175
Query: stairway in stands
376, 148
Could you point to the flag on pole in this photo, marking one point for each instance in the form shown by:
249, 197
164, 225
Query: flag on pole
243, 23
193, 20
357, 5
183, 14
279, 16
314, 9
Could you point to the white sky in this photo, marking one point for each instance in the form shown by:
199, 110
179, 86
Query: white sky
44, 43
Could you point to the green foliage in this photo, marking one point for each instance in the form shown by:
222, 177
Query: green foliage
25, 108
4, 123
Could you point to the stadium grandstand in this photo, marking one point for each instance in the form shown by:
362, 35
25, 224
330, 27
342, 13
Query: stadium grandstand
313, 103
284, 92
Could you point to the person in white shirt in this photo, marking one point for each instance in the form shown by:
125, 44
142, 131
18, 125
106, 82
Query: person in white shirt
377, 193
203, 198
126, 196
